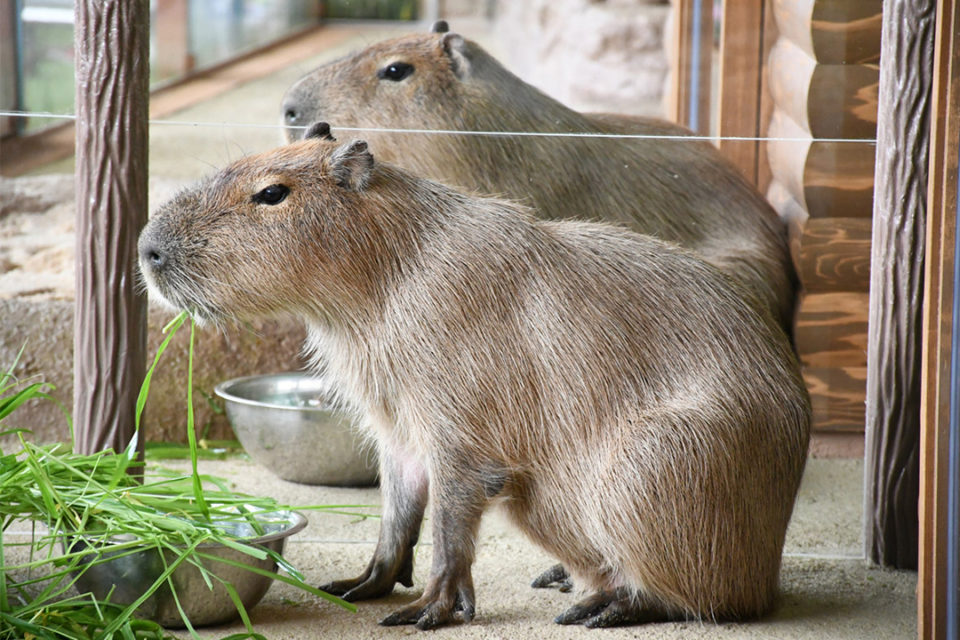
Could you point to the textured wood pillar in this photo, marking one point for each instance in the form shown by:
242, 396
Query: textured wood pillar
112, 39
896, 284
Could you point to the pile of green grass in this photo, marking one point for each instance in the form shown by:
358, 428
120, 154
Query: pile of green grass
59, 493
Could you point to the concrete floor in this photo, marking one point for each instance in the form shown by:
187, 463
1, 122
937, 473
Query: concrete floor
827, 589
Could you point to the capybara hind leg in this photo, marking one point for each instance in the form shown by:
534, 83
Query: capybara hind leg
555, 575
613, 608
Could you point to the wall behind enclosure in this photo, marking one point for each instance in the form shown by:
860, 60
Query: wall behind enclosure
592, 56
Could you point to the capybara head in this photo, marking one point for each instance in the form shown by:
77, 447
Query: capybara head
437, 80
267, 237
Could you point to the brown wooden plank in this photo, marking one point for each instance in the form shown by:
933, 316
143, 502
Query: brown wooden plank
764, 177
680, 51
837, 397
829, 179
838, 179
833, 254
739, 88
842, 101
938, 305
831, 329
826, 100
832, 31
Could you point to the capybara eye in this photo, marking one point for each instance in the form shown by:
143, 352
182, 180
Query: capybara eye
290, 115
274, 194
396, 71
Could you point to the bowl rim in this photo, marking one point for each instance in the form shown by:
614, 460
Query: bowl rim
222, 390
298, 522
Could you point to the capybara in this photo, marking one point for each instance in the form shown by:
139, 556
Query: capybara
641, 416
679, 190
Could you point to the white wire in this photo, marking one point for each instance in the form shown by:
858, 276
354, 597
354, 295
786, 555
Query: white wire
625, 136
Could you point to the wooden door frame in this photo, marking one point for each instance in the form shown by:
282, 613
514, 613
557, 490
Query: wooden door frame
940, 409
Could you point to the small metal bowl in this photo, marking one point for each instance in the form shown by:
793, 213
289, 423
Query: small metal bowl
286, 424
126, 577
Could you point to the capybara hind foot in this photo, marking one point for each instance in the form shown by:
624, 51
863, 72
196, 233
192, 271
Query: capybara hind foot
555, 575
444, 601
614, 608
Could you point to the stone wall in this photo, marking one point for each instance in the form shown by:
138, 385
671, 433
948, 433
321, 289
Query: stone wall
592, 55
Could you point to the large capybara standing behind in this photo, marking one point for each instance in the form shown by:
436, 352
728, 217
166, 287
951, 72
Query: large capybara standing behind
682, 191
639, 418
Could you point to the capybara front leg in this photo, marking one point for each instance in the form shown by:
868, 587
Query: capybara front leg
613, 608
404, 487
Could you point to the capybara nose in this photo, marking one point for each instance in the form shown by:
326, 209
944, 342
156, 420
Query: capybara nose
292, 119
152, 257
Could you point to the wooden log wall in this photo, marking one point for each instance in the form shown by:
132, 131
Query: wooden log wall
823, 73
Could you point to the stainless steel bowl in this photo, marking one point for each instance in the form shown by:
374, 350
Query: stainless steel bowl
126, 576
286, 424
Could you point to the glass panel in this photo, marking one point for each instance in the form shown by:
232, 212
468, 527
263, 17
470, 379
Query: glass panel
46, 59
221, 29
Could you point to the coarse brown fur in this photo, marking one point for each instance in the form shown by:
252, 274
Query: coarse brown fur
634, 414
679, 190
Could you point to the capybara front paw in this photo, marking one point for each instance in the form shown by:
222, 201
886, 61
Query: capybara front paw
436, 608
376, 582
555, 575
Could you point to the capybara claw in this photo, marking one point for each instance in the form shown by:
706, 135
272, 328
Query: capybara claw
555, 575
612, 609
359, 589
585, 609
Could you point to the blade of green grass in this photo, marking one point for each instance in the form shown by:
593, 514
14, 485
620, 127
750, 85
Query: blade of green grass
191, 430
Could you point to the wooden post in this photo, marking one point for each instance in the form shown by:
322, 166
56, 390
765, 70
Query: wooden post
742, 51
112, 40
9, 85
691, 52
896, 284
939, 334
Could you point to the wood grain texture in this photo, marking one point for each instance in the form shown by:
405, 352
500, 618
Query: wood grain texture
831, 329
827, 100
740, 90
836, 395
832, 31
833, 254
829, 179
112, 70
896, 286
940, 281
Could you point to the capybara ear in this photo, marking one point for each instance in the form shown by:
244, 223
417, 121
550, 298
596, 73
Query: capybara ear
319, 130
351, 165
440, 26
456, 48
